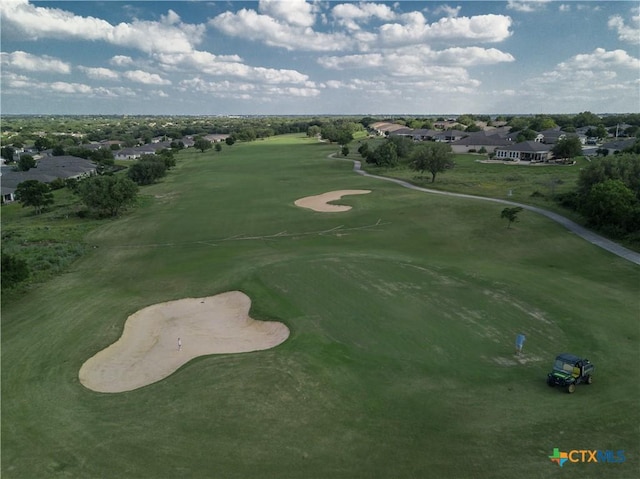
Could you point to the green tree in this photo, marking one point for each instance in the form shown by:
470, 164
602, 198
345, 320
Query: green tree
385, 155
41, 143
147, 171
364, 150
526, 135
345, 150
107, 194
34, 193
14, 270
202, 144
567, 148
433, 157
7, 153
218, 147
610, 205
511, 214
230, 140
313, 130
26, 162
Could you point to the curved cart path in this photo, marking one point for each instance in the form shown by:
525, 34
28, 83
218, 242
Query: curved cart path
590, 236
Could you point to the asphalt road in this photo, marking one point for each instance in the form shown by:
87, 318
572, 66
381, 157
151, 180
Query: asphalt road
575, 228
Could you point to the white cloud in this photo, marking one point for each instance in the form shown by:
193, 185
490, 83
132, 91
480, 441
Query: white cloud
99, 73
254, 26
246, 91
121, 61
627, 33
415, 29
293, 12
210, 64
146, 78
420, 57
564, 8
34, 63
349, 14
527, 6
448, 11
600, 59
30, 22
65, 87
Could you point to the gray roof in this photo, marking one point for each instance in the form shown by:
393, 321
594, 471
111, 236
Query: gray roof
619, 144
47, 170
480, 138
527, 146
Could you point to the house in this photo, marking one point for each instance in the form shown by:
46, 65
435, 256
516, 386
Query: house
478, 140
48, 169
216, 138
449, 136
618, 145
554, 135
524, 151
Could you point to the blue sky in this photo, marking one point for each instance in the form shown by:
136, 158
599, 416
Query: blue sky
319, 57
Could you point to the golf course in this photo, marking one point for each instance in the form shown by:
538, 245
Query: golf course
399, 356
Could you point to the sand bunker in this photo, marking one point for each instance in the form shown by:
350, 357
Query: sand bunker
321, 202
158, 339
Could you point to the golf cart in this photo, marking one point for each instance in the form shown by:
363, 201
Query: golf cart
569, 371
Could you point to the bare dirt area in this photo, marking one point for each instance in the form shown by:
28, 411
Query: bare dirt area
321, 202
160, 338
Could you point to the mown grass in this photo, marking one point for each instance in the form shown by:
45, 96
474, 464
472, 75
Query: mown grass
403, 313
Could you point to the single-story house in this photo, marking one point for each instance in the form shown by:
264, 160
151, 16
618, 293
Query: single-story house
216, 137
48, 169
477, 141
524, 151
618, 145
449, 136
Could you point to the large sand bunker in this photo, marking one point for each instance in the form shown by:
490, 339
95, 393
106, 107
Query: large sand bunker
158, 339
321, 202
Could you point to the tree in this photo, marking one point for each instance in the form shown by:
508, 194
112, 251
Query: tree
26, 162
511, 214
567, 148
202, 144
34, 193
385, 155
345, 150
230, 140
147, 171
7, 153
14, 270
313, 130
432, 157
610, 205
364, 150
107, 194
218, 147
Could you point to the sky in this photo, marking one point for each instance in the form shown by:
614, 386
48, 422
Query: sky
297, 57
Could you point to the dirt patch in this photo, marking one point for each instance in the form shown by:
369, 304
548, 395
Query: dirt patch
159, 339
321, 202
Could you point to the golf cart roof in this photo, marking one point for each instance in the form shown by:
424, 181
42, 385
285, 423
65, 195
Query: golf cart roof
568, 358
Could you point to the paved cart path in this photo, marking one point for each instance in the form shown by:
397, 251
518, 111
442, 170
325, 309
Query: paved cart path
575, 228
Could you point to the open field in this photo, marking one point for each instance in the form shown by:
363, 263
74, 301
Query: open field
403, 313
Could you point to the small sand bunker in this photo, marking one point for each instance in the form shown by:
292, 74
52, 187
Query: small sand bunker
321, 202
158, 339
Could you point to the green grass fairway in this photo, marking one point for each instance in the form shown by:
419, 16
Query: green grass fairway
403, 315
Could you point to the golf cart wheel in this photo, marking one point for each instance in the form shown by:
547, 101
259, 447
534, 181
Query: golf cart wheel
550, 383
571, 388
589, 380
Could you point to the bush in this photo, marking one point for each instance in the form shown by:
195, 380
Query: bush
14, 270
